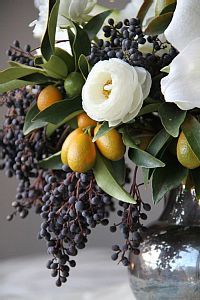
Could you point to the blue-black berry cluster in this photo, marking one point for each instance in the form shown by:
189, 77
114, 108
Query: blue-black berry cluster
73, 205
131, 225
23, 56
124, 41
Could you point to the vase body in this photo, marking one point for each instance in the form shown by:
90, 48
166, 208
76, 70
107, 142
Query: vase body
169, 264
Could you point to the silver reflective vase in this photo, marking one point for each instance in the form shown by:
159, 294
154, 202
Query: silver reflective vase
169, 264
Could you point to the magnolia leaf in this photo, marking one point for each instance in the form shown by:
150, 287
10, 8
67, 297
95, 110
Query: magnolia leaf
95, 24
108, 183
139, 157
191, 130
59, 111
102, 130
53, 162
171, 117
28, 124
119, 170
56, 67
159, 24
144, 9
17, 72
166, 69
66, 57
168, 178
165, 6
50, 129
154, 147
48, 42
84, 66
153, 107
81, 44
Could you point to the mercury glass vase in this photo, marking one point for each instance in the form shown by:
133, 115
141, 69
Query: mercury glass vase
169, 264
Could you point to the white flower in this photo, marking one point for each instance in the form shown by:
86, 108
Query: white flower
185, 24
73, 9
182, 85
114, 91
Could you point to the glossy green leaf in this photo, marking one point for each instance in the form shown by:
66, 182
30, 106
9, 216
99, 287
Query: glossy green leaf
154, 147
16, 73
119, 170
50, 129
81, 44
139, 157
144, 9
108, 183
102, 130
96, 23
84, 66
159, 24
53, 162
48, 42
59, 111
16, 84
171, 117
164, 6
56, 67
191, 129
66, 57
168, 178
28, 124
153, 107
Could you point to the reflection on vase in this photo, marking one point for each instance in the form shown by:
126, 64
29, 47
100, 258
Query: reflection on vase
169, 264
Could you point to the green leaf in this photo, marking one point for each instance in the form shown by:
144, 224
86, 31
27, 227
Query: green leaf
139, 157
171, 117
154, 147
168, 178
16, 73
195, 178
164, 6
191, 129
159, 24
56, 67
84, 66
53, 162
153, 107
28, 124
16, 84
102, 130
48, 42
81, 44
166, 69
95, 24
108, 183
119, 170
59, 111
66, 57
144, 9
52, 127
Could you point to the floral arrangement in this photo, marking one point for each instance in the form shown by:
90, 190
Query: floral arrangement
98, 87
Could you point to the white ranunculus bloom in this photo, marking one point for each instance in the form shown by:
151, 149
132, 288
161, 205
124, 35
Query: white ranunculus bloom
114, 91
185, 24
182, 85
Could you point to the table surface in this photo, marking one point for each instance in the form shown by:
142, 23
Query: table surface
95, 277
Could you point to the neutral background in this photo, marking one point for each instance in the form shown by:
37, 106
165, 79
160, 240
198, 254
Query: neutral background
18, 237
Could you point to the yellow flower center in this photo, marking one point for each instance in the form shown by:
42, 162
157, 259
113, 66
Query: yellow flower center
107, 88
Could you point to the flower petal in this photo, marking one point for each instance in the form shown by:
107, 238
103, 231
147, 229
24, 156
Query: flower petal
185, 24
182, 86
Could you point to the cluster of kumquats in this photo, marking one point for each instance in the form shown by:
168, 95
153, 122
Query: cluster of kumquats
78, 150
